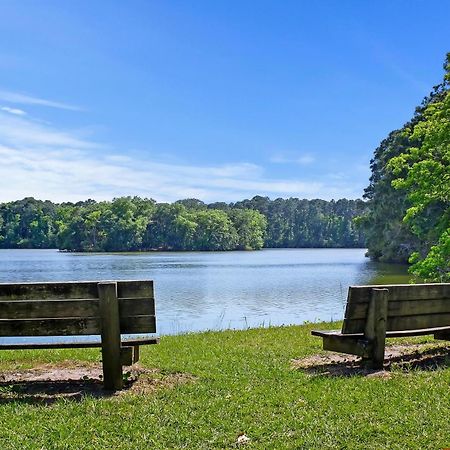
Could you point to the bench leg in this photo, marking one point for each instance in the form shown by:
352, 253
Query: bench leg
442, 336
109, 311
129, 355
135, 354
378, 353
126, 356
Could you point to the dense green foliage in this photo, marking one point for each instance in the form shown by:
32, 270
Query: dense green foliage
409, 191
132, 223
204, 389
309, 223
141, 224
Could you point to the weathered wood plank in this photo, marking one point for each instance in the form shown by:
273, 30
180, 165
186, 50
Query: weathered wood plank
401, 323
48, 291
92, 343
73, 326
322, 333
110, 332
401, 292
79, 308
135, 289
336, 343
418, 322
137, 324
375, 329
389, 334
369, 321
72, 290
136, 306
402, 308
49, 327
416, 332
47, 309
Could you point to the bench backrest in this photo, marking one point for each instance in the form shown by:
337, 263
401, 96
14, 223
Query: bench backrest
73, 308
410, 307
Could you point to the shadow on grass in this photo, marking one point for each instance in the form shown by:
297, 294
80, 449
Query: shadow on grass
72, 381
48, 392
397, 358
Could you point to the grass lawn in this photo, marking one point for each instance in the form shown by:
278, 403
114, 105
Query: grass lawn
236, 382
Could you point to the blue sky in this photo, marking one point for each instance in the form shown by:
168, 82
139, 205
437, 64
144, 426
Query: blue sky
218, 100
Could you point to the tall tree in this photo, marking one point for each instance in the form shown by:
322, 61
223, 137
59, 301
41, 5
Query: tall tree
250, 226
408, 208
423, 173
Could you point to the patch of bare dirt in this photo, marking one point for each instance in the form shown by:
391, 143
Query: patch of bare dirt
399, 357
147, 381
73, 380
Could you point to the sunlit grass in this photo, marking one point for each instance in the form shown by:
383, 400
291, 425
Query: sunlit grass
242, 382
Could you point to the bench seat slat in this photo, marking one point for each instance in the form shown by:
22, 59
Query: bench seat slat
322, 333
94, 343
73, 326
72, 290
80, 308
389, 334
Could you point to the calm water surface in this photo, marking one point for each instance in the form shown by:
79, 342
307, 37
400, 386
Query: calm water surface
200, 291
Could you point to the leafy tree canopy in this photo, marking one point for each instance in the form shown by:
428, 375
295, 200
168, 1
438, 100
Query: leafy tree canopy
409, 193
133, 223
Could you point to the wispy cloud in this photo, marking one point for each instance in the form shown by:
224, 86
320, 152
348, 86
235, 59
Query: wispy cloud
24, 99
15, 111
23, 133
48, 163
289, 158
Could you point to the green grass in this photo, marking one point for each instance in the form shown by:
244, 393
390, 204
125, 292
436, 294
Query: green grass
243, 383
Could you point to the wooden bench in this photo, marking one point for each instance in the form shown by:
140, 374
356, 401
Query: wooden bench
374, 313
101, 310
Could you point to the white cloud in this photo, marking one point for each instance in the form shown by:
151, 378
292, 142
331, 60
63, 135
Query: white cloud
282, 158
22, 132
23, 99
15, 111
46, 163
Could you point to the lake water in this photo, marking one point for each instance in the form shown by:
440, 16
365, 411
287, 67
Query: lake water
201, 290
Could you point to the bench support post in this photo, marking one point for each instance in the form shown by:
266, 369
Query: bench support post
110, 332
126, 356
442, 335
135, 354
375, 331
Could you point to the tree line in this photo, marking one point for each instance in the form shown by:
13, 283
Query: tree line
408, 215
139, 224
